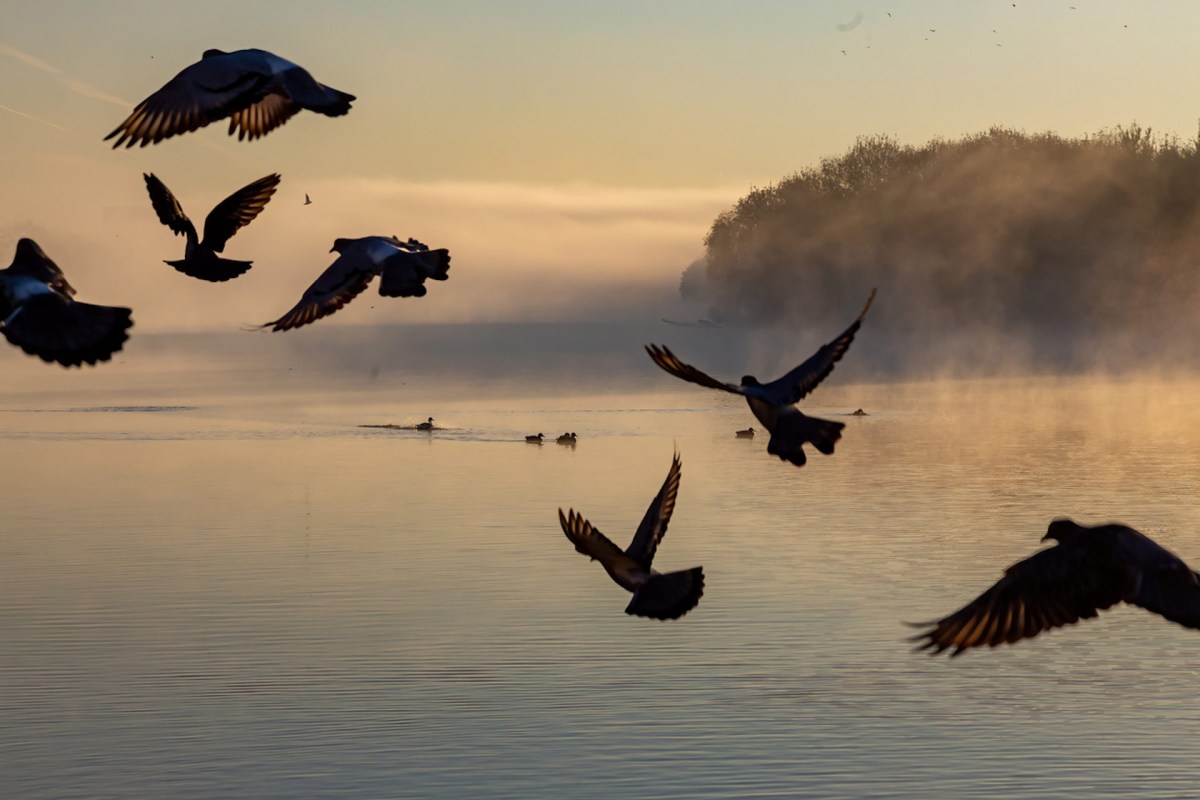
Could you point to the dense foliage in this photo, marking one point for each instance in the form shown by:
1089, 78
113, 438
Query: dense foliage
997, 232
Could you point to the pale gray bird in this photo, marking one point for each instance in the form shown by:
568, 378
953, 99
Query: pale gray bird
773, 404
1089, 570
200, 259
257, 90
403, 268
39, 315
655, 595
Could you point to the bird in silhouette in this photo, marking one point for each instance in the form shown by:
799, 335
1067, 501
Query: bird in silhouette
655, 595
39, 315
748, 433
773, 404
536, 439
200, 259
1089, 570
427, 425
567, 438
307, 201
403, 268
257, 90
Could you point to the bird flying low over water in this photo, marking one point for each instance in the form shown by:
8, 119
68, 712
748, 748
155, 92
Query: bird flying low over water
773, 404
655, 595
257, 90
38, 314
1089, 570
403, 268
200, 259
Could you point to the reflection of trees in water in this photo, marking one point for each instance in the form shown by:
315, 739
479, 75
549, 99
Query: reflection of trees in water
997, 232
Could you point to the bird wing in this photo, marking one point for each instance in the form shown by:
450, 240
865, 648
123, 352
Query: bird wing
168, 208
804, 378
31, 261
237, 211
1054, 587
209, 90
671, 363
57, 329
340, 283
591, 542
668, 596
654, 524
1166, 585
262, 117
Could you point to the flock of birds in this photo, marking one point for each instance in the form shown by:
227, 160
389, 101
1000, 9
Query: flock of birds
1089, 569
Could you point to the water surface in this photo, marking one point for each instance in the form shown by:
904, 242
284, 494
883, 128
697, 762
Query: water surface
218, 587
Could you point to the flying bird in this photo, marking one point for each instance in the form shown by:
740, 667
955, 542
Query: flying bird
403, 268
257, 90
200, 259
1089, 570
39, 315
773, 404
655, 595
307, 201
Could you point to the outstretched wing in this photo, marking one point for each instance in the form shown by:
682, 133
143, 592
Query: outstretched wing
168, 208
237, 211
1166, 585
589, 541
671, 363
1051, 588
212, 88
262, 117
803, 379
654, 525
340, 283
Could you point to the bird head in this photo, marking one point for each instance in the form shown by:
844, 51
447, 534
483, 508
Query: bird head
213, 53
750, 380
1063, 530
340, 245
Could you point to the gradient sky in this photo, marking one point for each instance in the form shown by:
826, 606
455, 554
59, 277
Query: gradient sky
569, 154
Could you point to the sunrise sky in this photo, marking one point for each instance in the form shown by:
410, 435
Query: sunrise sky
571, 155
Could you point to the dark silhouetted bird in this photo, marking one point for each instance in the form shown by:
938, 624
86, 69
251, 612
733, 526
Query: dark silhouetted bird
655, 595
38, 314
535, 439
1089, 570
257, 90
403, 268
748, 433
307, 201
200, 259
427, 425
773, 404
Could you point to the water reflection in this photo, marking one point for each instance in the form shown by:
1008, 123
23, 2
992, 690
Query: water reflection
257, 598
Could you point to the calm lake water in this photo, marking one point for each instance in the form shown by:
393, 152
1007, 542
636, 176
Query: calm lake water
217, 585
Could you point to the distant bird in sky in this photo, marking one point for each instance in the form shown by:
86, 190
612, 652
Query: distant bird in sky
403, 268
655, 595
307, 201
257, 90
1089, 570
38, 314
200, 259
773, 404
